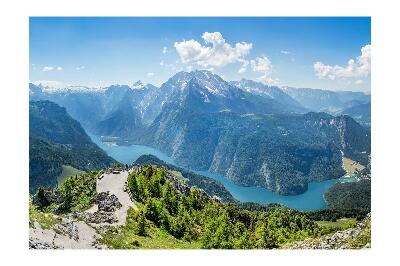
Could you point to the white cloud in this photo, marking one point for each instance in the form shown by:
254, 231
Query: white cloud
150, 74
164, 49
359, 81
358, 68
243, 68
218, 53
262, 65
47, 68
51, 68
285, 52
80, 68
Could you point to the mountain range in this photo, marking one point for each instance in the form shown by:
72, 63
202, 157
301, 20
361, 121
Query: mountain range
254, 134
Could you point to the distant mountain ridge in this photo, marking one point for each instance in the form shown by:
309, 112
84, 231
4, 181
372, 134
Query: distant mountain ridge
318, 100
94, 107
272, 92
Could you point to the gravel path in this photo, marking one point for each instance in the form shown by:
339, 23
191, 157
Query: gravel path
114, 183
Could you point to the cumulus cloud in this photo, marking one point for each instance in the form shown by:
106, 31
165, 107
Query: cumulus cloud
285, 52
150, 74
215, 53
355, 68
262, 65
359, 81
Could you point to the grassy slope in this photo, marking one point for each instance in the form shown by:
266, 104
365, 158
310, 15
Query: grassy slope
67, 171
340, 224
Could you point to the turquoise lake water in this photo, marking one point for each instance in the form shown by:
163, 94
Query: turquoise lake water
312, 199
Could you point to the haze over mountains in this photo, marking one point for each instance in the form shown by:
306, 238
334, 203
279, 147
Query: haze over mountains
254, 134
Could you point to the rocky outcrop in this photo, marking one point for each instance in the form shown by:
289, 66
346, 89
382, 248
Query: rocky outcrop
107, 202
180, 185
47, 197
100, 217
337, 240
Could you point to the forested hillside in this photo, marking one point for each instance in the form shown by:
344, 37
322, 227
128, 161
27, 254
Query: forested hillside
280, 152
211, 186
55, 139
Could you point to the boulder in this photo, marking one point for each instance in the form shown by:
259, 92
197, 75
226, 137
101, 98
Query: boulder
107, 202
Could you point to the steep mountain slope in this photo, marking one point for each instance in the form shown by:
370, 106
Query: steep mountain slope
280, 152
124, 120
201, 92
204, 91
93, 106
56, 139
271, 92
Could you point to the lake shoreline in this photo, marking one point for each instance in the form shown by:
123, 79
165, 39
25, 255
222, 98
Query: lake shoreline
311, 199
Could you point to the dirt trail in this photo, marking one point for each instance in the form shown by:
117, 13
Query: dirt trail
114, 183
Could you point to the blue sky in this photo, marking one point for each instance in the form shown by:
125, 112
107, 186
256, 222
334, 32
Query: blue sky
326, 53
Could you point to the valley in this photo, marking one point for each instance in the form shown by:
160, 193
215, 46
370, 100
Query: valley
312, 199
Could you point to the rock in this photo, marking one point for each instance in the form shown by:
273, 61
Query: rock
50, 196
37, 244
99, 217
107, 202
68, 228
360, 225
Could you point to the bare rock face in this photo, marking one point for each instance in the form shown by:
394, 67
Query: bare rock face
107, 202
